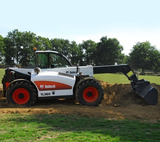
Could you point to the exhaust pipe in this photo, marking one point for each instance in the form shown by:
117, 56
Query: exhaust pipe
146, 91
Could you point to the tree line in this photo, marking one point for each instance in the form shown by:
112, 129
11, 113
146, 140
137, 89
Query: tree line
17, 48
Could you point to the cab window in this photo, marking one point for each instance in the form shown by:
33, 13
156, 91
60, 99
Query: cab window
42, 60
57, 61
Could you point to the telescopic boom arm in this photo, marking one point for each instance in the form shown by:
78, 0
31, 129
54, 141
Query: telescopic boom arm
125, 69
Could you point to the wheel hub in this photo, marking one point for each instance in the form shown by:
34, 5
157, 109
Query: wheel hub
89, 94
21, 95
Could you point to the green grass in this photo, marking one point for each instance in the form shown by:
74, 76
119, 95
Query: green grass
1, 74
120, 78
51, 127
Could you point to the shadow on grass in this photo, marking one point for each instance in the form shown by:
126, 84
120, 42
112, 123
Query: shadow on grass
39, 103
124, 130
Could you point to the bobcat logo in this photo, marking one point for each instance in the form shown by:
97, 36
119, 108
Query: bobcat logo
42, 86
47, 86
50, 86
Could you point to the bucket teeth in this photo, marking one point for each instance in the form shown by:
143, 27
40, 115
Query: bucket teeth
146, 91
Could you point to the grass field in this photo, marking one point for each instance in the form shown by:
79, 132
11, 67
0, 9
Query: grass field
120, 78
49, 127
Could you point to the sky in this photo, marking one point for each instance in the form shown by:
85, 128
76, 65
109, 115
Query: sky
129, 21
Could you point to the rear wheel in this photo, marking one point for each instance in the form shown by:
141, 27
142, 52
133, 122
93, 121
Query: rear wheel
21, 93
89, 92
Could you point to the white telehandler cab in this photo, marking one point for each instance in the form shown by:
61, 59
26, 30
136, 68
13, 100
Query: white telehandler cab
51, 75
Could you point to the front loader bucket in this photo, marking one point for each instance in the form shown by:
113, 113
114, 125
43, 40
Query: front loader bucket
146, 91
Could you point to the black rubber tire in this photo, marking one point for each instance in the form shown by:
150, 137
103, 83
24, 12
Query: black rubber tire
87, 84
20, 87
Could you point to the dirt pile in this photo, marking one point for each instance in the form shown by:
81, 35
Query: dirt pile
121, 94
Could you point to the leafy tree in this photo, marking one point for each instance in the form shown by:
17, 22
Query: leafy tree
26, 51
20, 44
1, 47
61, 45
108, 51
15, 39
17, 47
155, 58
9, 52
89, 49
42, 43
144, 56
75, 53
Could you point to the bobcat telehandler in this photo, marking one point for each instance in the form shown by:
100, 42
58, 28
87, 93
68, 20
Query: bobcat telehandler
51, 75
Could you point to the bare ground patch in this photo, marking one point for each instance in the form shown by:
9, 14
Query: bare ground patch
118, 103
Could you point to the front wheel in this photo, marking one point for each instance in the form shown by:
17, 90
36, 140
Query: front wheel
21, 93
89, 92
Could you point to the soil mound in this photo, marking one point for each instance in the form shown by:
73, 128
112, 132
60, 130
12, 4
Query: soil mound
119, 94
